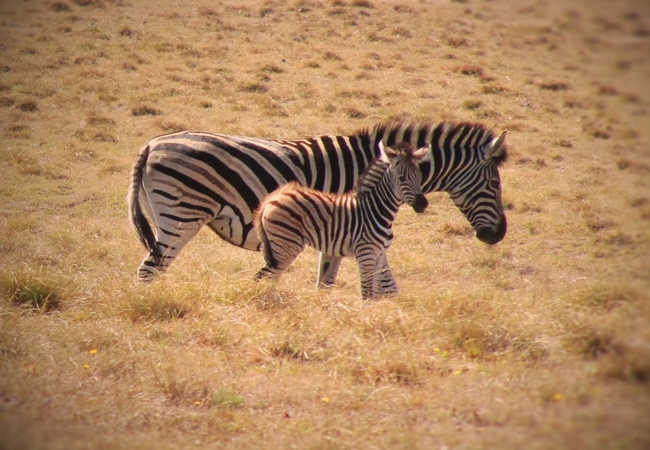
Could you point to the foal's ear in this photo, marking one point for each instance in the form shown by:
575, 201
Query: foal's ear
497, 147
422, 154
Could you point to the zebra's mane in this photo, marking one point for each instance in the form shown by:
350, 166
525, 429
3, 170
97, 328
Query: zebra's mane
417, 131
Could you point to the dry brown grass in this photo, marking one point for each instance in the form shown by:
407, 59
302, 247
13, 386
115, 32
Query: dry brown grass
542, 341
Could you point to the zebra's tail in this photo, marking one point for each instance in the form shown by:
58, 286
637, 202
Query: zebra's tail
137, 217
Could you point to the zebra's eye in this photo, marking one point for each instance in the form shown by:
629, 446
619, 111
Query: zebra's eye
494, 184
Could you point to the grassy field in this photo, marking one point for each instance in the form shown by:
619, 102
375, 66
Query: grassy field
540, 342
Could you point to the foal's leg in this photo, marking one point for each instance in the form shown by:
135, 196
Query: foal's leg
280, 250
328, 268
367, 260
386, 284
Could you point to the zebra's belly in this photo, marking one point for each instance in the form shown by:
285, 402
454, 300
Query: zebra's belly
235, 232
338, 245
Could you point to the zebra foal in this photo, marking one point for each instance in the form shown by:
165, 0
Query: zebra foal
356, 224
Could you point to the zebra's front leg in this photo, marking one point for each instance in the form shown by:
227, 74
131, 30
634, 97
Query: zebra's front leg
367, 262
328, 268
386, 284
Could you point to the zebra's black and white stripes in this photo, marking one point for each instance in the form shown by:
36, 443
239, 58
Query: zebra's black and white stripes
356, 224
186, 180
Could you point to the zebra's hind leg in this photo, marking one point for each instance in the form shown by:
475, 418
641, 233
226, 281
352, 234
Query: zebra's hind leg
328, 268
150, 266
172, 239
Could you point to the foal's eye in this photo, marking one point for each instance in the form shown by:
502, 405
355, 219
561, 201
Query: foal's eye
494, 184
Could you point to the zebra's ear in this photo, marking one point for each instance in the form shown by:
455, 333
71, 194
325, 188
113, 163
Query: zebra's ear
382, 152
422, 154
497, 147
386, 153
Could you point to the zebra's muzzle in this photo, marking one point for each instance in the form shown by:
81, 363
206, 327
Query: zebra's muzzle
420, 203
492, 236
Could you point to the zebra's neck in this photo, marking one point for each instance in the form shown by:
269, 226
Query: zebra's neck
454, 147
370, 178
376, 191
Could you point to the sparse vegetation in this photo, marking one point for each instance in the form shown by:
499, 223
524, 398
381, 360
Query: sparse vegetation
28, 106
542, 340
145, 110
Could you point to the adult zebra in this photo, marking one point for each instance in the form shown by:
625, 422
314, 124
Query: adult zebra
359, 223
188, 179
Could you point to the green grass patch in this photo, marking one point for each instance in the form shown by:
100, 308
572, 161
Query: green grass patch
32, 293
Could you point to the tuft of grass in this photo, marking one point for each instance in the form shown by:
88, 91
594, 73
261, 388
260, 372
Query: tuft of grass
605, 296
472, 104
289, 349
597, 130
592, 342
554, 86
271, 68
265, 12
449, 229
354, 113
28, 106
145, 110
631, 362
225, 398
470, 70
101, 136
332, 56
205, 11
33, 293
493, 89
478, 341
126, 31
98, 119
362, 4
60, 7
253, 88
405, 373
6, 102
180, 390
147, 308
18, 131
457, 41
608, 90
